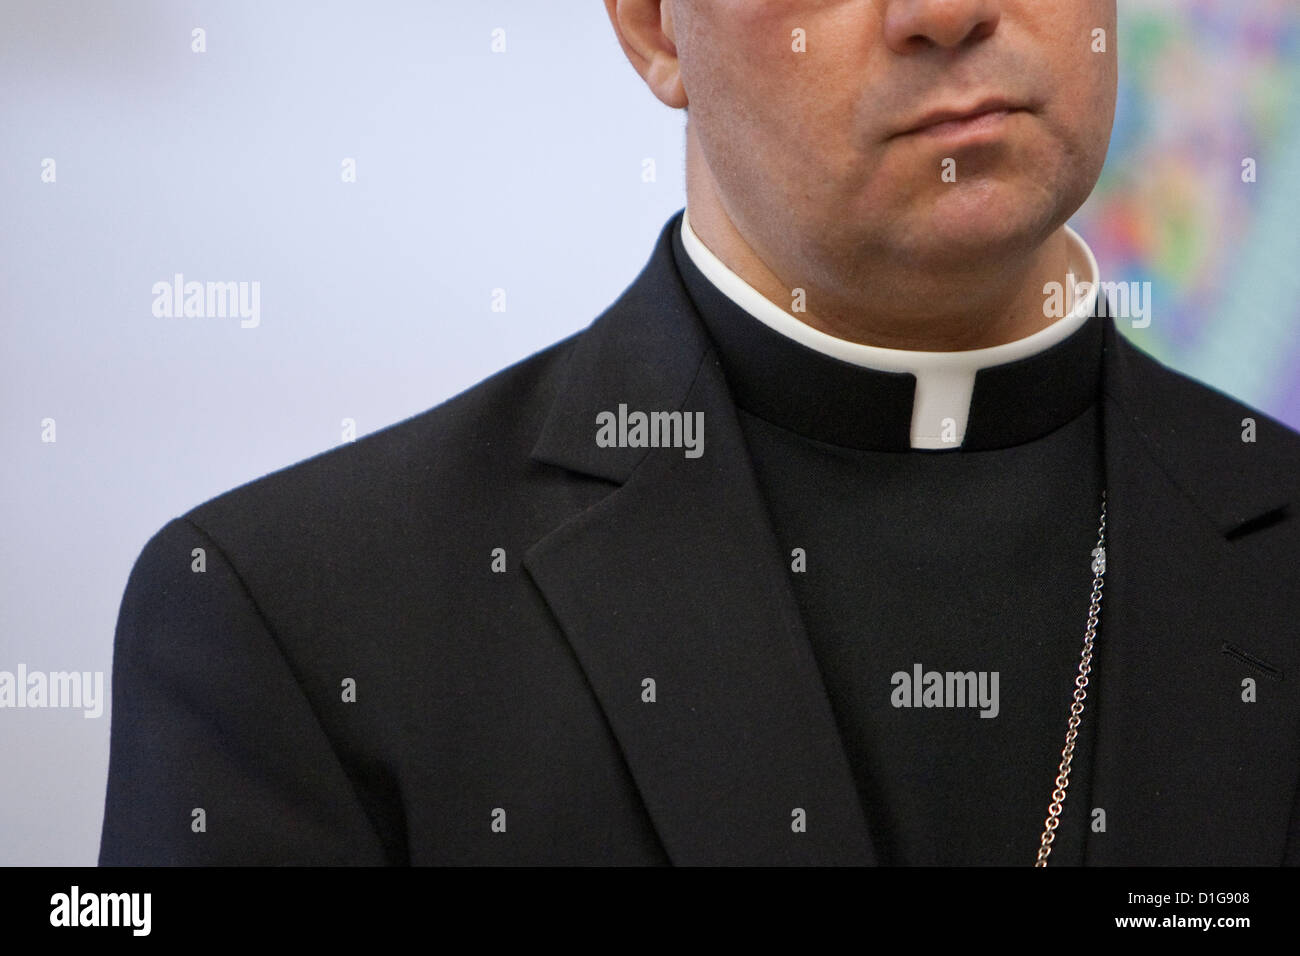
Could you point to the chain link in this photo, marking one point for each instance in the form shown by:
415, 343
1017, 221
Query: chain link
1080, 694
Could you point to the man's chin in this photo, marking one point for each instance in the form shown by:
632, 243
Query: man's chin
975, 238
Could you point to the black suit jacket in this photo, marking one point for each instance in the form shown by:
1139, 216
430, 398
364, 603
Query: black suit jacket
499, 717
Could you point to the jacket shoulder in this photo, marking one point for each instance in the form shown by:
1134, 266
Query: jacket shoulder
1185, 405
483, 433
1234, 459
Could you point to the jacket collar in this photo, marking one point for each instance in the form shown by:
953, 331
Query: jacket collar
676, 576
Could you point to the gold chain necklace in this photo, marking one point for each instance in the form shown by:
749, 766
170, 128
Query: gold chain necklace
1080, 693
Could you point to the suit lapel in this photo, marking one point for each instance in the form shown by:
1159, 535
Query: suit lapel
1184, 768
675, 577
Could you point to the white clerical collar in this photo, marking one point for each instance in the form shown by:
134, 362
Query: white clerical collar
944, 380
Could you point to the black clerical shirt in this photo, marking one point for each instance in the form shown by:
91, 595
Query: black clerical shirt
966, 572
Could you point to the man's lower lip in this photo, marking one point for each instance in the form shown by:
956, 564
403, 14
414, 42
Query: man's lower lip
984, 123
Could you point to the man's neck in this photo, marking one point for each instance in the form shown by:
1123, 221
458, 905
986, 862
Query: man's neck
890, 305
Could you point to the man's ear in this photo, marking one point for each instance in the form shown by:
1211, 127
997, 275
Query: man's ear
646, 34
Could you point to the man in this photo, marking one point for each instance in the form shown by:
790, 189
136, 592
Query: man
851, 533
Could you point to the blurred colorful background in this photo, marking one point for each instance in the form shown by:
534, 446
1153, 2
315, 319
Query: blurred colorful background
1204, 86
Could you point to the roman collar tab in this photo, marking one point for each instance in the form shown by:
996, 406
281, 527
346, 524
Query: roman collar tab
873, 399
